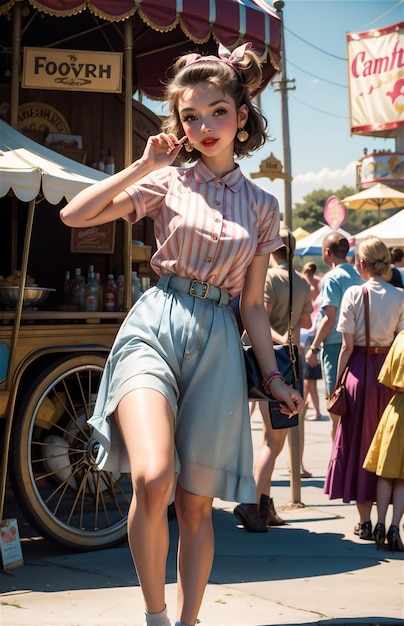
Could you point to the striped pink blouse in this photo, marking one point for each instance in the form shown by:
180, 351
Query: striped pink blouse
206, 228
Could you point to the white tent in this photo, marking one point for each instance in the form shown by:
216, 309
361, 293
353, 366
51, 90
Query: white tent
312, 244
27, 167
391, 231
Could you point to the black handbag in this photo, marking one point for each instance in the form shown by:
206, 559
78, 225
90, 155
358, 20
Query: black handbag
287, 359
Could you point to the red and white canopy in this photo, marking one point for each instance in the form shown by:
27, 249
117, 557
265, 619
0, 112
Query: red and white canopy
163, 30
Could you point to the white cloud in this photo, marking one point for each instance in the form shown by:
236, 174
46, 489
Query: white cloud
304, 184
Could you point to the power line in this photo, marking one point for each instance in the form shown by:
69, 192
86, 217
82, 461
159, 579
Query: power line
359, 29
314, 75
366, 26
310, 106
316, 47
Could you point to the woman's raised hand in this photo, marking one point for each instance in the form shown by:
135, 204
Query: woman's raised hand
162, 149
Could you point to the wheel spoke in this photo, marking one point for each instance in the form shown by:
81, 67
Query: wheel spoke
66, 496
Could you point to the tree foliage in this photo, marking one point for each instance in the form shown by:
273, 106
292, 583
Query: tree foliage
309, 213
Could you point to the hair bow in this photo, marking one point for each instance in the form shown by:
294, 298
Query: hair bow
225, 56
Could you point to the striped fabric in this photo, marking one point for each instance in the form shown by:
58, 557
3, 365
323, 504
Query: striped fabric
206, 228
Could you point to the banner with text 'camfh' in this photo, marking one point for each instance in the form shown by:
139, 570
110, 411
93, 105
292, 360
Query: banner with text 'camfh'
376, 80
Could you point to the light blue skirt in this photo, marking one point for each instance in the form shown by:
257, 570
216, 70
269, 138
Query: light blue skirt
189, 350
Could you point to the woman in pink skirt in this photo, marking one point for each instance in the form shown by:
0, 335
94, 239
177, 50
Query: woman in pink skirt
366, 397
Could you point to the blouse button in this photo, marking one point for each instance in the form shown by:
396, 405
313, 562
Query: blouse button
217, 202
208, 259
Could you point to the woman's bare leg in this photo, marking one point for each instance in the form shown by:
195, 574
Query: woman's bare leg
313, 392
398, 502
384, 491
195, 551
147, 426
364, 510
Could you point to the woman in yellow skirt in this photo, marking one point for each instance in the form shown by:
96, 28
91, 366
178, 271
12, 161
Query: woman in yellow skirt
385, 456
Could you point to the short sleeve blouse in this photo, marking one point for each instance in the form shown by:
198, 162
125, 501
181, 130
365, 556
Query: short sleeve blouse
386, 312
206, 228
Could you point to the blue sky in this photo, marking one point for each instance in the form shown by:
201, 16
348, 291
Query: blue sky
323, 152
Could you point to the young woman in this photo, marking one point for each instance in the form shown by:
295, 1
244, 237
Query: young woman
174, 383
366, 397
385, 456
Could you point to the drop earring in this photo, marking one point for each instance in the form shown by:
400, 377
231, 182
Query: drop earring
188, 147
242, 135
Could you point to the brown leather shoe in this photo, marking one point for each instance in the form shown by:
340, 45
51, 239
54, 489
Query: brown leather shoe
264, 508
273, 517
249, 516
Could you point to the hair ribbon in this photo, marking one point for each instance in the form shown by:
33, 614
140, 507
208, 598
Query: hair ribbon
224, 55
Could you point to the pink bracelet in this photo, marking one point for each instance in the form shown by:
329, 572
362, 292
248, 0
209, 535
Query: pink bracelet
266, 381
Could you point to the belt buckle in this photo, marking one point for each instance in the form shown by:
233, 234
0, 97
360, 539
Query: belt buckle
206, 287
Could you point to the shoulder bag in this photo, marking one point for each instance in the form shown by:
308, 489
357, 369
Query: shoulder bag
287, 359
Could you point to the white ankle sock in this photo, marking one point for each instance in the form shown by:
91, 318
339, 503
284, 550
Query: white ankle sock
157, 619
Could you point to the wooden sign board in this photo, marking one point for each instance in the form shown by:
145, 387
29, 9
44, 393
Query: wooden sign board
96, 239
72, 70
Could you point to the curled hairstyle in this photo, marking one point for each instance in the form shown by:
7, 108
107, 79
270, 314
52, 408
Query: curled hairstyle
238, 85
375, 256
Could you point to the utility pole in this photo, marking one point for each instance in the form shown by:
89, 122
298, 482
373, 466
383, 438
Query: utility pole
283, 87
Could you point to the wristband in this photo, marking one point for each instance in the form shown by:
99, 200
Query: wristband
315, 349
266, 381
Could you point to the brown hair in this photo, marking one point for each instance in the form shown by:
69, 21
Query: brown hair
225, 78
397, 255
289, 244
309, 268
375, 256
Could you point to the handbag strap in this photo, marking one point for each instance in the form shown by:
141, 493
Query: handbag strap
292, 354
367, 326
366, 305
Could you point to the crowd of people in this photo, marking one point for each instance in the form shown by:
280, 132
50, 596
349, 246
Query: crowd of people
367, 459
172, 407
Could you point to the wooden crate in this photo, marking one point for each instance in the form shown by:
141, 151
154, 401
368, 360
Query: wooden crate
140, 253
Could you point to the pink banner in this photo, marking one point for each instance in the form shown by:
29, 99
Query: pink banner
376, 80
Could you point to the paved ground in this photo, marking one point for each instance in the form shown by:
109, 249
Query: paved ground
311, 571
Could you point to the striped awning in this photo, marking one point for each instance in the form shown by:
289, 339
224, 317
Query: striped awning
163, 30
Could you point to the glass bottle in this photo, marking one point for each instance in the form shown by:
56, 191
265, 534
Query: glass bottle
67, 288
136, 290
120, 283
101, 161
110, 294
110, 163
91, 291
97, 277
77, 289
